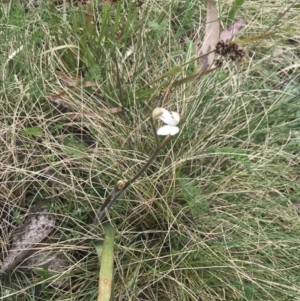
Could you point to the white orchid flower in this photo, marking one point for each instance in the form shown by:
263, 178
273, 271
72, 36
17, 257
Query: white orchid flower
171, 119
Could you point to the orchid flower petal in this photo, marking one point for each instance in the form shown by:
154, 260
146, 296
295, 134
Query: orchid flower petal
175, 118
170, 118
165, 116
167, 130
174, 130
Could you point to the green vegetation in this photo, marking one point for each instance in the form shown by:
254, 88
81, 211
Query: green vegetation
215, 215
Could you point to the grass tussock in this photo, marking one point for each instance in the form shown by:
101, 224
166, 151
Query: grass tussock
215, 216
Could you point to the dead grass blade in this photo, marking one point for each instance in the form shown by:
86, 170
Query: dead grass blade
73, 116
255, 38
193, 77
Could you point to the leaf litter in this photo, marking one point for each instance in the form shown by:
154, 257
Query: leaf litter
36, 227
229, 33
213, 35
52, 261
211, 38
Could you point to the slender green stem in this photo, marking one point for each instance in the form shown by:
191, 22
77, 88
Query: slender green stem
154, 131
118, 187
114, 195
143, 169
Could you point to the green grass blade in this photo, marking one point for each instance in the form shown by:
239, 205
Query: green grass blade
234, 8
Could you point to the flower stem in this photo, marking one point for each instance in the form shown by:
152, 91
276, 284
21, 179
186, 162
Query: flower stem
119, 190
154, 131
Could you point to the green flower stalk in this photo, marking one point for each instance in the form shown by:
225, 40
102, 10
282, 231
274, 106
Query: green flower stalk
170, 129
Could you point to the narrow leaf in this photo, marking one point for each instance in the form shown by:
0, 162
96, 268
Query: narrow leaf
144, 94
175, 70
59, 48
255, 38
72, 146
234, 8
107, 262
33, 131
190, 78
